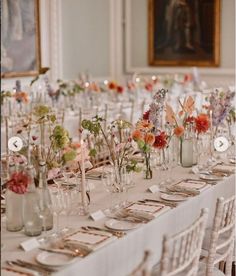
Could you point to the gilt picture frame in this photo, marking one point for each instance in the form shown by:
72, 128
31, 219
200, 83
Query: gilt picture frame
20, 45
184, 33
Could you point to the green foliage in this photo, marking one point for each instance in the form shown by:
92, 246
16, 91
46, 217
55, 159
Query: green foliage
5, 94
69, 156
41, 111
93, 126
59, 138
92, 153
133, 166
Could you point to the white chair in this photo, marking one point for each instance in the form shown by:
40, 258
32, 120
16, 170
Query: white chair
181, 252
218, 244
143, 269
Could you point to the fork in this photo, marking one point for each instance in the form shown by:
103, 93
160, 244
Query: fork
46, 271
118, 234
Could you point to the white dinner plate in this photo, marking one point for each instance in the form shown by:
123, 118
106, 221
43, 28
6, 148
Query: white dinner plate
232, 161
119, 225
210, 177
54, 259
173, 197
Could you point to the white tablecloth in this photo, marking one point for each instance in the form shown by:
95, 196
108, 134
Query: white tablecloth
121, 256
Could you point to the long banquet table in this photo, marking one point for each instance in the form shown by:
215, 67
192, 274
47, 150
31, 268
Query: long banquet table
119, 257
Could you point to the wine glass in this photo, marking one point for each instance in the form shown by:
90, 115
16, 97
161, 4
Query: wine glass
57, 204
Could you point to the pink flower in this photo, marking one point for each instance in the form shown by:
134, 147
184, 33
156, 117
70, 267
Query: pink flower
53, 173
120, 89
18, 183
18, 159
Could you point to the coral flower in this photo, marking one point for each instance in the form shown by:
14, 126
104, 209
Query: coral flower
190, 120
146, 115
179, 131
137, 135
202, 123
148, 87
149, 138
120, 89
22, 97
160, 141
18, 182
144, 125
112, 85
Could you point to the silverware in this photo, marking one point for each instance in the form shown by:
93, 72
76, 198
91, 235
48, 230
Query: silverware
175, 193
127, 218
134, 215
35, 267
73, 253
164, 202
118, 234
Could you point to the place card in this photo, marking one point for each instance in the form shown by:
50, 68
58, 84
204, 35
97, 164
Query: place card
97, 215
30, 244
195, 170
153, 189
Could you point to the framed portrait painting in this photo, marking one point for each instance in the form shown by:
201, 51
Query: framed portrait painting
20, 44
184, 32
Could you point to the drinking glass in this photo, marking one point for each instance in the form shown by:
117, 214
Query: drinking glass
57, 204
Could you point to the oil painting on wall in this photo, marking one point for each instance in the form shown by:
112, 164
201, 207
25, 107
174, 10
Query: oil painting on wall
184, 32
20, 44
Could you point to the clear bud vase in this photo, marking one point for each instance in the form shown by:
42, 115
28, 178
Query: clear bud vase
147, 169
14, 205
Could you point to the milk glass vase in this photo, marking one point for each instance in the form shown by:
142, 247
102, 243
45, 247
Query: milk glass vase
186, 148
14, 203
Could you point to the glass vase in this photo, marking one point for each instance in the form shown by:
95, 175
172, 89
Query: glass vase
147, 168
14, 205
186, 153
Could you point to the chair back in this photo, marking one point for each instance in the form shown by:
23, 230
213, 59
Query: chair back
143, 269
222, 235
181, 252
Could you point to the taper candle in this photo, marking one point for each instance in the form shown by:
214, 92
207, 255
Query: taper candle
82, 167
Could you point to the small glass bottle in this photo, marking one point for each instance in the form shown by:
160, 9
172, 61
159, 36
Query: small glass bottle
14, 203
186, 148
195, 147
31, 210
44, 198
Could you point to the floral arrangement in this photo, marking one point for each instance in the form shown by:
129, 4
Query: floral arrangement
119, 148
179, 122
221, 106
53, 94
21, 97
18, 182
114, 86
69, 88
56, 154
148, 132
4, 95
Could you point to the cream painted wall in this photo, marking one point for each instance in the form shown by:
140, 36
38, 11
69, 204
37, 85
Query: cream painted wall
109, 39
85, 37
136, 45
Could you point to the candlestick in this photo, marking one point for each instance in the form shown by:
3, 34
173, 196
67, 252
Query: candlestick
83, 184
7, 149
28, 152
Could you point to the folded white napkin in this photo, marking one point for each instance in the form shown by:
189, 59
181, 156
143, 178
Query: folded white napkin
91, 239
224, 168
197, 185
147, 210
